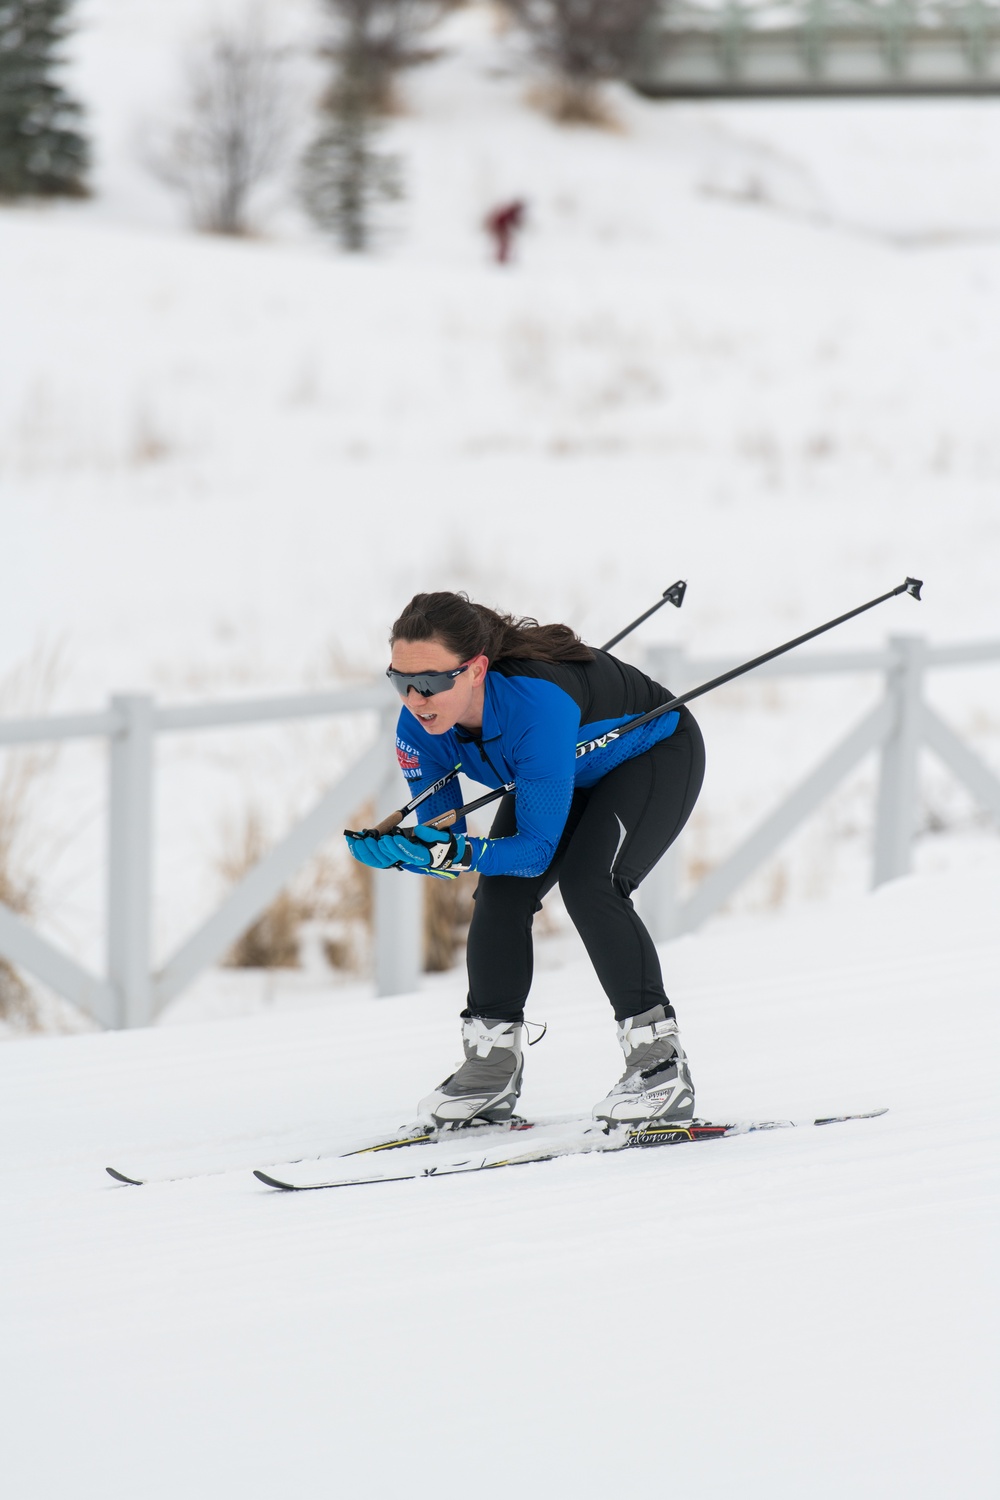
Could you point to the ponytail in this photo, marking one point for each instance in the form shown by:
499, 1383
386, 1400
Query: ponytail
470, 630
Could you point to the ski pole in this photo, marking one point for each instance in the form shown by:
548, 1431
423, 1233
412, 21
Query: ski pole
909, 586
674, 594
395, 818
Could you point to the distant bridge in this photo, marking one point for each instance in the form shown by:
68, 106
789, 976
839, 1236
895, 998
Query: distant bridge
822, 48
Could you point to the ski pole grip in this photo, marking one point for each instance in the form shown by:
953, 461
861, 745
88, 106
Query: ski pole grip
444, 820
390, 823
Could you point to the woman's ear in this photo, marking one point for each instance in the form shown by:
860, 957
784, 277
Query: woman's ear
480, 666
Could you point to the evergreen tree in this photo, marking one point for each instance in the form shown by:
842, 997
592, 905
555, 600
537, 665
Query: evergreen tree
41, 151
343, 176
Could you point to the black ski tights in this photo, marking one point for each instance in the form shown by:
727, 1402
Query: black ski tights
614, 835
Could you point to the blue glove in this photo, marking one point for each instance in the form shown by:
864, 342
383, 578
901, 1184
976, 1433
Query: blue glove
433, 851
373, 849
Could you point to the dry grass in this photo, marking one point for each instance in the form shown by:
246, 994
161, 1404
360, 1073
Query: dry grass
338, 894
272, 942
149, 444
25, 693
329, 890
17, 1005
572, 103
447, 914
343, 898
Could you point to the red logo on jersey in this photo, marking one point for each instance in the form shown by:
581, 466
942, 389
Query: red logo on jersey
409, 760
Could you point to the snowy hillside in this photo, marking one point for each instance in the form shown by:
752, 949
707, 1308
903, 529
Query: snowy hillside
802, 1313
757, 347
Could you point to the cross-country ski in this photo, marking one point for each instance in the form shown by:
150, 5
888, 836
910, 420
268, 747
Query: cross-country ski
588, 1138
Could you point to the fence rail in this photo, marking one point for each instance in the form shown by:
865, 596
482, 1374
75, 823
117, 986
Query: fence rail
897, 728
130, 992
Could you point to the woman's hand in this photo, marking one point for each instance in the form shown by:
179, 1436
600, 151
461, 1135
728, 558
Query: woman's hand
373, 849
434, 851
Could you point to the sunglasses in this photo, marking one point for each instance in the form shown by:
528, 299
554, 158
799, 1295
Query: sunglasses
425, 683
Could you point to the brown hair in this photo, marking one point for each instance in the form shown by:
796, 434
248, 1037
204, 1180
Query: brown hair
470, 630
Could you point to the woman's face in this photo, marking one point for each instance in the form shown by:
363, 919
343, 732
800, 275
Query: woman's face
461, 704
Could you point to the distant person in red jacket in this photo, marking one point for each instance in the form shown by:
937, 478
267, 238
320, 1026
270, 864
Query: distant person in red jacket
501, 224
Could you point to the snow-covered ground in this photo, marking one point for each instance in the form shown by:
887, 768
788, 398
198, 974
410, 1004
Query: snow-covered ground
802, 1313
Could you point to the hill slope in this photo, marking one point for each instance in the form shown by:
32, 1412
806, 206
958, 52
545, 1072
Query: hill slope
809, 1312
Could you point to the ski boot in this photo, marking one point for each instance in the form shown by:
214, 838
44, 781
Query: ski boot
486, 1085
656, 1084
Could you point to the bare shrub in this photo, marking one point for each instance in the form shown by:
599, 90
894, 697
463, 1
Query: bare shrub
374, 40
234, 127
582, 43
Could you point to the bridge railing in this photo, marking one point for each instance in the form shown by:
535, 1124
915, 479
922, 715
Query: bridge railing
822, 46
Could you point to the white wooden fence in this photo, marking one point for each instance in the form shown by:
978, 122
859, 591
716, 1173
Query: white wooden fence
901, 724
130, 992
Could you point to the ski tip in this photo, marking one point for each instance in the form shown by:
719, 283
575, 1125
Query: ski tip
120, 1177
272, 1181
868, 1114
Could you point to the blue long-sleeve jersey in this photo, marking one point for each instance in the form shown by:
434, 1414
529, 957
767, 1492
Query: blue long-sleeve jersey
535, 713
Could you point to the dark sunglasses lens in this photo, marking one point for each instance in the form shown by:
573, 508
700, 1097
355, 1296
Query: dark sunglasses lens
425, 683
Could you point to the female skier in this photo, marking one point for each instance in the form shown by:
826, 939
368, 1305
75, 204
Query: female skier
507, 700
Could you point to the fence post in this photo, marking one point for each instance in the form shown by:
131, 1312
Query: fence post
658, 901
399, 899
130, 820
896, 809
